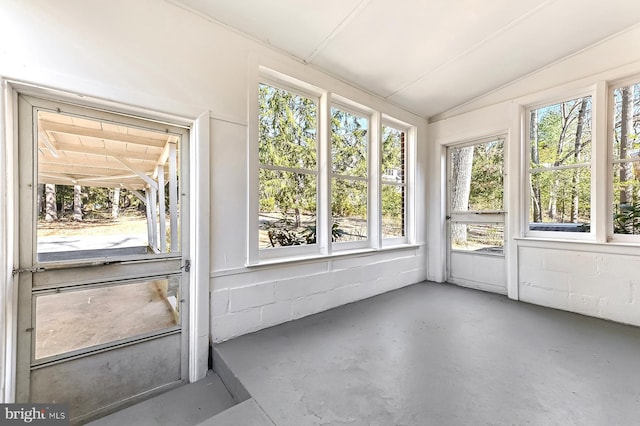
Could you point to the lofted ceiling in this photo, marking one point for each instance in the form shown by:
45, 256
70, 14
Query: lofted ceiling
426, 56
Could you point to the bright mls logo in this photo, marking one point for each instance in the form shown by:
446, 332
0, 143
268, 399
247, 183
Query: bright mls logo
34, 414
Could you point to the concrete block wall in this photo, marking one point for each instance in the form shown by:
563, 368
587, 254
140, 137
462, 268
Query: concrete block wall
250, 299
598, 284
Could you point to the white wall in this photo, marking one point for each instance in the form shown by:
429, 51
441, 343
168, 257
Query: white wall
152, 54
593, 278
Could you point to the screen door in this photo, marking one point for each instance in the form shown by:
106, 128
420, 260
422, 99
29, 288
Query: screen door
103, 300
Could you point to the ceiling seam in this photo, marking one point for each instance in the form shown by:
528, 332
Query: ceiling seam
475, 46
452, 112
337, 30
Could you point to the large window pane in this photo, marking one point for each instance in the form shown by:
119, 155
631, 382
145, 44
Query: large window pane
393, 209
105, 188
565, 200
72, 320
287, 208
560, 158
626, 198
486, 238
287, 149
626, 156
393, 154
349, 210
349, 137
288, 129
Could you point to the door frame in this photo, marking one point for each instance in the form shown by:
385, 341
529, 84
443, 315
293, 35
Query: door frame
197, 249
504, 135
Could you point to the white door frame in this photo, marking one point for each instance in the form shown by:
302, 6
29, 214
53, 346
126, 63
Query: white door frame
504, 135
197, 250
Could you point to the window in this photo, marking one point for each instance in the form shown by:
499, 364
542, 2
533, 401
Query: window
288, 168
349, 183
626, 160
393, 183
328, 174
560, 167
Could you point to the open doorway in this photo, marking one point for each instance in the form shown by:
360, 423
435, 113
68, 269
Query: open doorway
103, 291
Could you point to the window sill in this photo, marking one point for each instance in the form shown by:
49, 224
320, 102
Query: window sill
610, 247
339, 254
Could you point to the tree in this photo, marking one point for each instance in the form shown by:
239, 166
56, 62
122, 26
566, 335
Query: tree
461, 164
77, 202
51, 210
575, 202
536, 197
287, 154
115, 203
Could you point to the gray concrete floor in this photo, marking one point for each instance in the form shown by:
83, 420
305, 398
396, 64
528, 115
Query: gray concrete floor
436, 354
187, 405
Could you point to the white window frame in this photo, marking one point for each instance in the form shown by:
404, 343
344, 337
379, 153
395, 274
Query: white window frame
389, 122
324, 247
526, 158
372, 224
613, 86
301, 250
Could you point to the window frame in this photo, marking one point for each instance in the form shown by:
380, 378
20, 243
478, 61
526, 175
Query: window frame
611, 88
526, 169
306, 249
396, 125
324, 247
371, 225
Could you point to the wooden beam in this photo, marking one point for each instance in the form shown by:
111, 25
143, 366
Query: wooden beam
137, 194
142, 175
153, 200
83, 149
99, 134
47, 142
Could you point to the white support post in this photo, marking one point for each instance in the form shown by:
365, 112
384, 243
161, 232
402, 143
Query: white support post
173, 197
162, 237
153, 205
147, 204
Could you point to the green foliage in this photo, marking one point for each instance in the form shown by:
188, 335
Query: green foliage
627, 221
561, 136
486, 191
287, 138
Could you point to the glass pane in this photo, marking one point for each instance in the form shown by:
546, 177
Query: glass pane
626, 198
560, 134
487, 238
477, 177
94, 197
561, 200
73, 320
349, 210
393, 154
287, 209
626, 110
287, 129
393, 207
349, 136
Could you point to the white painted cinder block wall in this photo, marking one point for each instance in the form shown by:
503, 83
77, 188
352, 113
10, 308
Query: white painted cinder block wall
155, 55
596, 278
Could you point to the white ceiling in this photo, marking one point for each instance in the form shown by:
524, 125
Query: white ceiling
427, 56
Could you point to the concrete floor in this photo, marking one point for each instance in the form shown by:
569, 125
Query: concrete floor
188, 405
434, 354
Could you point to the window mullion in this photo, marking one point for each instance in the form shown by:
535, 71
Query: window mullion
375, 192
324, 176
601, 176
